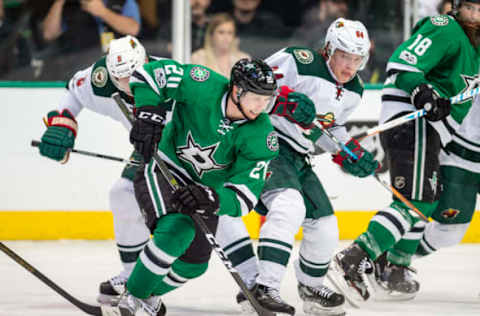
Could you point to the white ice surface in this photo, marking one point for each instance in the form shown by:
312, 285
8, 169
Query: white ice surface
450, 283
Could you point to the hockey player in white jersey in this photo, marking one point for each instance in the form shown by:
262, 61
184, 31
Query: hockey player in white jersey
293, 195
92, 88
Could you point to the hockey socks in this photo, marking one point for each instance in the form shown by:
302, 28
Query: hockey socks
171, 238
180, 272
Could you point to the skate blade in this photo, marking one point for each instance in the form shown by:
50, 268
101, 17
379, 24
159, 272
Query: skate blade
382, 294
110, 310
107, 299
336, 276
247, 308
315, 309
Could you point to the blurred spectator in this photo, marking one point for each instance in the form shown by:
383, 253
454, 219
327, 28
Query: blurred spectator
150, 21
251, 21
220, 49
14, 36
444, 6
427, 8
97, 21
384, 21
316, 22
199, 27
199, 22
260, 33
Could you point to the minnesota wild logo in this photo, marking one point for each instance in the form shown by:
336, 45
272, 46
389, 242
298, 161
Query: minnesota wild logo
450, 213
99, 77
304, 56
199, 74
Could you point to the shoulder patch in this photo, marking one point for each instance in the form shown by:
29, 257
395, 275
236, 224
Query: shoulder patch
439, 20
199, 74
303, 56
99, 77
160, 77
272, 141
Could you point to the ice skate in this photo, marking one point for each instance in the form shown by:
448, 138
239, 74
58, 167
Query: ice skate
152, 306
270, 299
321, 301
348, 273
112, 288
398, 283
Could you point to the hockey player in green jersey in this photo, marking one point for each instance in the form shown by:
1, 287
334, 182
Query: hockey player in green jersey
217, 143
293, 196
440, 60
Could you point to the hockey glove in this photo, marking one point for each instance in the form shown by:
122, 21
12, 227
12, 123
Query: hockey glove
425, 97
295, 106
364, 166
198, 199
147, 130
59, 138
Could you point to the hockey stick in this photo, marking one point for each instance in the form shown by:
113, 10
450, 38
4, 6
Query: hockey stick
261, 311
414, 115
87, 308
36, 143
342, 146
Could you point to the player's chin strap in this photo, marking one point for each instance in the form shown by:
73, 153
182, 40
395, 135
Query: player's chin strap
240, 93
342, 146
200, 222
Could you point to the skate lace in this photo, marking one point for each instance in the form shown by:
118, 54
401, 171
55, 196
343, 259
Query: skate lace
119, 280
323, 291
364, 265
151, 305
274, 294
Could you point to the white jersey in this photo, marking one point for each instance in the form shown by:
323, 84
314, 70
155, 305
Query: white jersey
92, 88
306, 71
464, 149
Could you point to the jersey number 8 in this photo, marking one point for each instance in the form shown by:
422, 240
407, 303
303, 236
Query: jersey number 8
421, 45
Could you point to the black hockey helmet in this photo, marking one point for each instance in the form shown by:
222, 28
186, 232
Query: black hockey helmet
253, 75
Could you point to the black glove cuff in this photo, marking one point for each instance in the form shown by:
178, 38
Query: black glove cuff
151, 114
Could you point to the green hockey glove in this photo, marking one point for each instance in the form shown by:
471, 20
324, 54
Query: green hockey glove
59, 138
295, 106
364, 166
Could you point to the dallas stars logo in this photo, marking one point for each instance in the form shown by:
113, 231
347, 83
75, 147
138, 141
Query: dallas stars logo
201, 158
471, 82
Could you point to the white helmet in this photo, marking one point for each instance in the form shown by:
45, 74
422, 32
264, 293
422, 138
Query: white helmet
349, 36
124, 56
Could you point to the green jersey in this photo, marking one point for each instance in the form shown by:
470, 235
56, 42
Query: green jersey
438, 53
199, 141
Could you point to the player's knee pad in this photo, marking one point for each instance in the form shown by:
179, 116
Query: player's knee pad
231, 230
131, 233
438, 235
286, 212
122, 200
